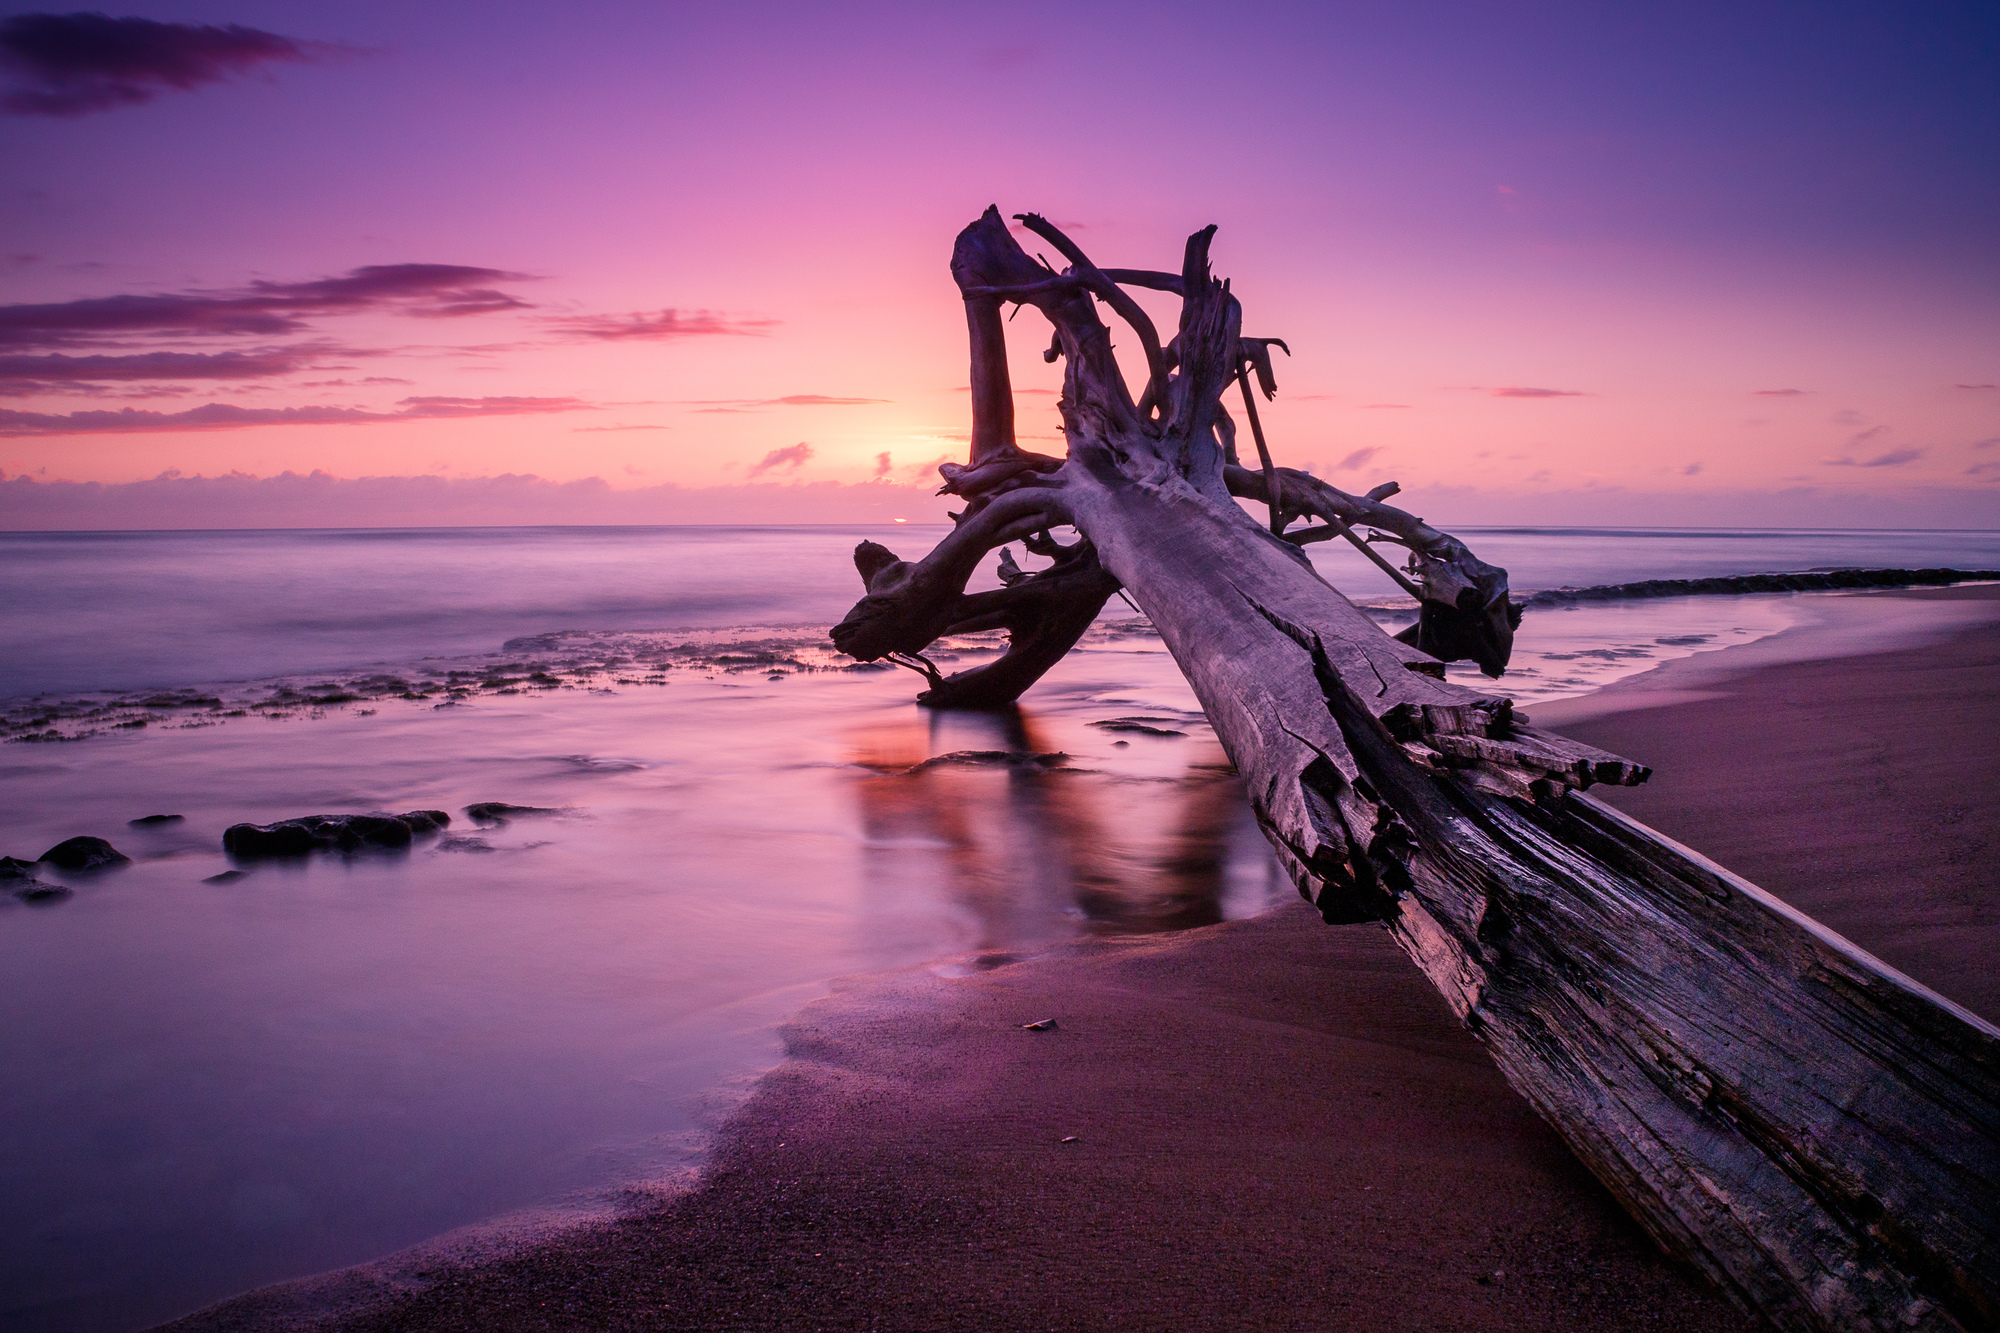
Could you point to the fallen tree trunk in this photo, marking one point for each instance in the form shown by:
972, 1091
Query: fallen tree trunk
1813, 1130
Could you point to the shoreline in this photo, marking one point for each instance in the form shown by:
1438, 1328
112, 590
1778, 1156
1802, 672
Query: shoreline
1276, 1124
923, 1161
1832, 625
1839, 782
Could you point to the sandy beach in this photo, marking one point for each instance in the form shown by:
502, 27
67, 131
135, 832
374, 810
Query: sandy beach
1272, 1123
1860, 789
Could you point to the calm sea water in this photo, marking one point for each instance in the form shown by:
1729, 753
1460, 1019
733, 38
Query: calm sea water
142, 610
210, 1086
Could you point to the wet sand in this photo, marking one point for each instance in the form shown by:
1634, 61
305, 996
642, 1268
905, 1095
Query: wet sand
1275, 1124
1864, 790
1270, 1124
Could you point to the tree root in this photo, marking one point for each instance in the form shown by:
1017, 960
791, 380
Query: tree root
1464, 609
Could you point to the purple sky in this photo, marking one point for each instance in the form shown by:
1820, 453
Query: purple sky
1557, 263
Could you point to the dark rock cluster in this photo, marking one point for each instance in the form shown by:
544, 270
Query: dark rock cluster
83, 854
17, 877
254, 842
499, 812
330, 833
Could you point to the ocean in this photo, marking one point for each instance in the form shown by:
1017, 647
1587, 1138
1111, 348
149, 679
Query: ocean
213, 1085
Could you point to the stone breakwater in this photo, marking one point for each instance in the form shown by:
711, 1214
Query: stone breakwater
1807, 580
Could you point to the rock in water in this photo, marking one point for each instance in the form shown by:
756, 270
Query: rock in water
153, 821
13, 867
35, 891
499, 812
330, 833
425, 821
83, 854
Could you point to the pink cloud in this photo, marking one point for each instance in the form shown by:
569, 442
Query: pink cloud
659, 326
433, 290
225, 416
790, 459
790, 400
1894, 458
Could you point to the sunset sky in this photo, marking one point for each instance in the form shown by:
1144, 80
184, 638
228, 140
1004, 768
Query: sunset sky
1648, 263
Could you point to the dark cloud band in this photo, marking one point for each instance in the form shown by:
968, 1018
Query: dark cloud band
73, 64
263, 308
58, 368
657, 326
224, 416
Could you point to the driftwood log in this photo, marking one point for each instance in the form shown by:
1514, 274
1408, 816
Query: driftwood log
1814, 1131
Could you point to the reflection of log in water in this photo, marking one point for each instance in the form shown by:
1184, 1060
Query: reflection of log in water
1021, 841
1197, 862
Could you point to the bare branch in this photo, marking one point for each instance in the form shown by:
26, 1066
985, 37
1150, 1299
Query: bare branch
1271, 488
1257, 351
1062, 284
1128, 309
1211, 324
992, 389
1044, 614
1095, 395
1225, 434
1147, 278
1464, 610
909, 605
993, 472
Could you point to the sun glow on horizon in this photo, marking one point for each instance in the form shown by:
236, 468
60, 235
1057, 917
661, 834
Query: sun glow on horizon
1602, 327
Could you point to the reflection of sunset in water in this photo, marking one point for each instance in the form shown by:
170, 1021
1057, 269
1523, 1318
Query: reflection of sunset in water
1035, 844
733, 818
743, 815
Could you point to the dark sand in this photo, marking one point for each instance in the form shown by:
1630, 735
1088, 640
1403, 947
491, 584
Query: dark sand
1865, 791
1277, 1124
